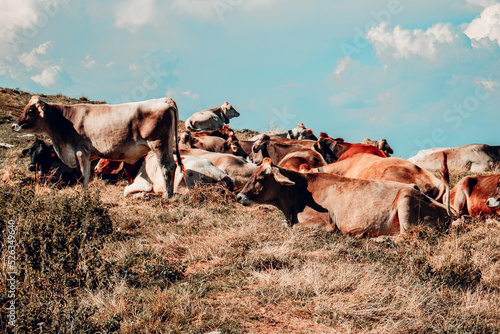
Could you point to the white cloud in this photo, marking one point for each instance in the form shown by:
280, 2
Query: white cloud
481, 3
108, 65
191, 95
488, 84
342, 64
49, 76
21, 20
133, 14
401, 43
89, 63
31, 59
486, 27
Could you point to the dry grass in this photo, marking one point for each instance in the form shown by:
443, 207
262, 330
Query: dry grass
204, 263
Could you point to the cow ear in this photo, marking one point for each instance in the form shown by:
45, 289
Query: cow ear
282, 179
40, 105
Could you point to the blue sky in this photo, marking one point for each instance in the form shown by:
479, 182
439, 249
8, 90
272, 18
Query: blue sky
421, 74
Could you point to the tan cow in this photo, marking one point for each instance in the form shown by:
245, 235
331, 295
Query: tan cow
197, 171
300, 132
356, 207
474, 195
211, 119
381, 145
239, 169
477, 158
212, 143
123, 132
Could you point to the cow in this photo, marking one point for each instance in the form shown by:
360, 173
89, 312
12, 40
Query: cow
211, 143
197, 171
45, 161
373, 167
125, 132
476, 158
224, 132
238, 168
381, 145
473, 195
211, 119
106, 169
338, 149
300, 132
284, 154
356, 207
493, 201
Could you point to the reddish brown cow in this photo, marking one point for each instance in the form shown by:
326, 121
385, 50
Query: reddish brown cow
285, 155
356, 207
107, 167
372, 167
474, 195
211, 143
225, 132
338, 149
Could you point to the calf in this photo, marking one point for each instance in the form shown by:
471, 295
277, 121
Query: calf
211, 119
356, 207
475, 195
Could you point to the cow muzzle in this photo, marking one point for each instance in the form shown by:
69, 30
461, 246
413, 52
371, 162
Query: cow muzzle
493, 203
16, 127
244, 200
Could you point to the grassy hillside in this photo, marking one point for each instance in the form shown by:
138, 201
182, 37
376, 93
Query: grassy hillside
100, 262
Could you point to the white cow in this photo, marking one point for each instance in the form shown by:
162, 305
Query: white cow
211, 119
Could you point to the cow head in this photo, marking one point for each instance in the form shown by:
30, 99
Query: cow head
32, 118
327, 146
232, 146
105, 166
41, 156
229, 111
264, 185
227, 131
259, 150
187, 141
302, 132
384, 147
494, 201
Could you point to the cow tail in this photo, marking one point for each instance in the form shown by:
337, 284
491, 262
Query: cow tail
176, 132
446, 177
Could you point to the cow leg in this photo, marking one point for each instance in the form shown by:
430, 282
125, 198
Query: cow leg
165, 156
84, 161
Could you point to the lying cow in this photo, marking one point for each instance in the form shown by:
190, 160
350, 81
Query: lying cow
211, 119
356, 207
477, 158
300, 132
474, 195
372, 167
239, 169
286, 155
224, 132
211, 143
493, 202
84, 132
197, 171
338, 149
111, 170
381, 145
45, 160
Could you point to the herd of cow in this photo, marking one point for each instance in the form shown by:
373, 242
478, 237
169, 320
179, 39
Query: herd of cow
357, 188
